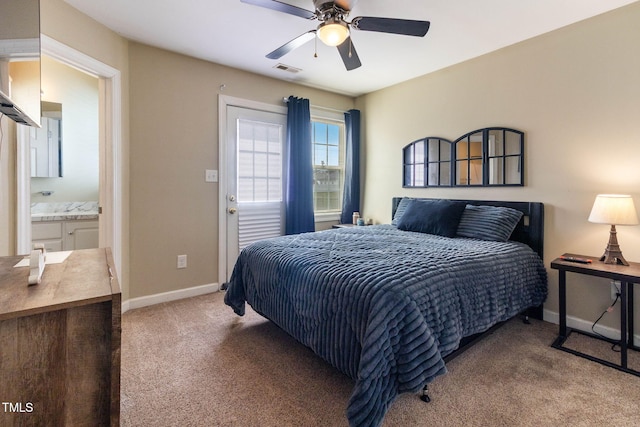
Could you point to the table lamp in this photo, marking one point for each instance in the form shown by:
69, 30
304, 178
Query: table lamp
614, 209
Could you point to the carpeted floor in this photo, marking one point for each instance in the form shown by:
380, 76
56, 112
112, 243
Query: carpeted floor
193, 362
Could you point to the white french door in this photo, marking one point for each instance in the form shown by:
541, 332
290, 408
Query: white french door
254, 184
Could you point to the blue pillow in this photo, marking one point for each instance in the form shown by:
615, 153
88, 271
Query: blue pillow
488, 222
402, 206
440, 217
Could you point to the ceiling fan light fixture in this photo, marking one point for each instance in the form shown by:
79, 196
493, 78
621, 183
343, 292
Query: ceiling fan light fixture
333, 32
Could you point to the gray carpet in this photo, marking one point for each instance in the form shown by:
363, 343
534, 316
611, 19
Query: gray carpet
193, 362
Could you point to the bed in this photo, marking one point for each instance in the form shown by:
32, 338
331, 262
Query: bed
389, 304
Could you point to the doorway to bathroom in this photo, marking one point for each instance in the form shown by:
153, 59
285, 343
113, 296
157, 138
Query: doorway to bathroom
109, 164
65, 159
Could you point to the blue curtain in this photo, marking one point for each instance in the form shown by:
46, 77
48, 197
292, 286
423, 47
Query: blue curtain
351, 193
299, 189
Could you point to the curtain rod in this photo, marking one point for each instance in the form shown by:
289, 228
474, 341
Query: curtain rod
286, 100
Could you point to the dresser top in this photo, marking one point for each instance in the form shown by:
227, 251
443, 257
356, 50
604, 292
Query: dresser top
86, 277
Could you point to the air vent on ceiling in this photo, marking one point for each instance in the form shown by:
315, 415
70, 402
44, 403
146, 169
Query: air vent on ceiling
288, 68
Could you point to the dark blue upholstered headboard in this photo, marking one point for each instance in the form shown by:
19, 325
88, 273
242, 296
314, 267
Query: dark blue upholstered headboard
530, 229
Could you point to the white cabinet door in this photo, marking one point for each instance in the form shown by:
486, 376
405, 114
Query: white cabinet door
48, 234
80, 235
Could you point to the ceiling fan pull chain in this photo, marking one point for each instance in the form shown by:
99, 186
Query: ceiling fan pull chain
315, 54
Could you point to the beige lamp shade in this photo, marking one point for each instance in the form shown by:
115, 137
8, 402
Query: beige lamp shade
614, 209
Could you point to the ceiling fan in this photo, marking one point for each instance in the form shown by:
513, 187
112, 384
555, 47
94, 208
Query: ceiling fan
334, 30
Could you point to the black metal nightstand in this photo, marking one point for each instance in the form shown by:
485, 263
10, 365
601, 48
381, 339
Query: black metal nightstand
628, 276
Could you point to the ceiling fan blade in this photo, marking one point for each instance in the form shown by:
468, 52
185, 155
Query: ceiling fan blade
293, 44
282, 7
407, 27
349, 55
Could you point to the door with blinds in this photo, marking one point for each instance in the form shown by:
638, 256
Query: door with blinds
255, 161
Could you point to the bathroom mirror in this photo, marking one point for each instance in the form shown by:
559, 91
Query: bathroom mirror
46, 143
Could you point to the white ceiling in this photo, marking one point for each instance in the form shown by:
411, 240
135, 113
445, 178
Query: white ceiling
239, 35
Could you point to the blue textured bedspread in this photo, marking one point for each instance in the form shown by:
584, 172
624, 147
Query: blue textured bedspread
385, 306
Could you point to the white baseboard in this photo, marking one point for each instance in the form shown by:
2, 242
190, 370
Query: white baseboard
585, 325
145, 301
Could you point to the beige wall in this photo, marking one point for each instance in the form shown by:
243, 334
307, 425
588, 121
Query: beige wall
67, 25
174, 138
19, 20
574, 92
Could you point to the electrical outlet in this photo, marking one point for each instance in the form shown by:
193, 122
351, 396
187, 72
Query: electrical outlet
615, 289
182, 261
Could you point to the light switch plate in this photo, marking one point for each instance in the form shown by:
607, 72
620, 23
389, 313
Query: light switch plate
211, 175
182, 261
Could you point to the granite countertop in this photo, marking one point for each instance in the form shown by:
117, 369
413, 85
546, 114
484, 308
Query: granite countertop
64, 211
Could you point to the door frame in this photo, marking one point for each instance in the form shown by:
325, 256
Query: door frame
110, 146
225, 101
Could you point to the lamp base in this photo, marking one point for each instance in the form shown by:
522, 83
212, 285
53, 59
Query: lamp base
613, 254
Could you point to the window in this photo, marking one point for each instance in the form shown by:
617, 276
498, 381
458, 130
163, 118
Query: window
259, 161
328, 165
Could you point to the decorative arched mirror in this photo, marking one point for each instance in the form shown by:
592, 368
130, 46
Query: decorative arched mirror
427, 163
485, 157
469, 159
505, 155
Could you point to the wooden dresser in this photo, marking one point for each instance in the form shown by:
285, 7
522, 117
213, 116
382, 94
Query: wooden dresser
60, 343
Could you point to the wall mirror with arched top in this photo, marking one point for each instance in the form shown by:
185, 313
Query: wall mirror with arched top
427, 162
485, 157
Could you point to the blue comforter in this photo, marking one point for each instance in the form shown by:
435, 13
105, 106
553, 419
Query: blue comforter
382, 305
